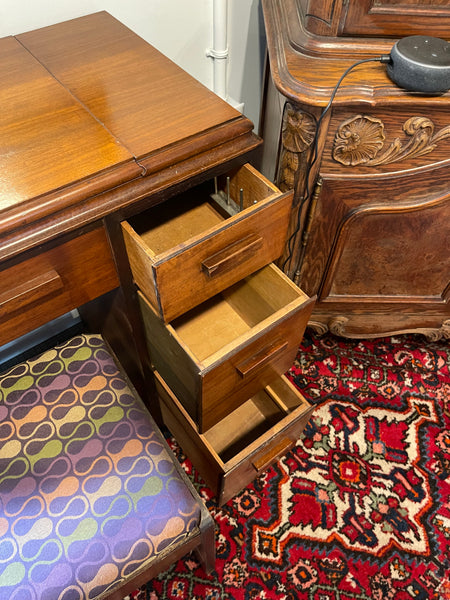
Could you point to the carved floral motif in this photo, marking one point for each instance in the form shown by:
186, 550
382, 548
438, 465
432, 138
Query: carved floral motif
422, 141
288, 169
360, 139
298, 132
298, 129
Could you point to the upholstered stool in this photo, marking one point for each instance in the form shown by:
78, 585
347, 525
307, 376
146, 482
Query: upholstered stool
92, 501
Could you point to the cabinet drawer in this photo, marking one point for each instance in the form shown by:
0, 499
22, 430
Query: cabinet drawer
45, 286
190, 248
222, 352
232, 453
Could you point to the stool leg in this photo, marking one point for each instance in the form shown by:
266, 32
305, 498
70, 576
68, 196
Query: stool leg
207, 549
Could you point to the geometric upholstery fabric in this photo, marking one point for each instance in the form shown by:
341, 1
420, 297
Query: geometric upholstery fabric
88, 491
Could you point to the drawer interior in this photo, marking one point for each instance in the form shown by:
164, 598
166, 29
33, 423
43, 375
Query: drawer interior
188, 215
230, 454
234, 312
250, 421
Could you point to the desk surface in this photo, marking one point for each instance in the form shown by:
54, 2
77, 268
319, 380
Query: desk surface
93, 118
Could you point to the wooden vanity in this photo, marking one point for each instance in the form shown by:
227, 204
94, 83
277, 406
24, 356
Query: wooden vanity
126, 192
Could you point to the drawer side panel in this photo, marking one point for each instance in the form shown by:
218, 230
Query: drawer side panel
171, 359
141, 264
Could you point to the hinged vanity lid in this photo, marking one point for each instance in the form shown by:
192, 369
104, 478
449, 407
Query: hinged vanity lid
88, 112
144, 99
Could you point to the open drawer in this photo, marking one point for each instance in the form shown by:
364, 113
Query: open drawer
197, 244
231, 454
222, 352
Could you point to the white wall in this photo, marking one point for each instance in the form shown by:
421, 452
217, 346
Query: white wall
181, 29
247, 44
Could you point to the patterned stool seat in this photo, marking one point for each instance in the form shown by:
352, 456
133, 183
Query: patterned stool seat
89, 493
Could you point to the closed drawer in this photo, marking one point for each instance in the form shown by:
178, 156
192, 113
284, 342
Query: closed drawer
54, 282
231, 454
222, 352
190, 248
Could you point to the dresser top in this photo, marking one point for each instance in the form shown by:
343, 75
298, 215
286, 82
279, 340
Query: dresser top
87, 106
306, 67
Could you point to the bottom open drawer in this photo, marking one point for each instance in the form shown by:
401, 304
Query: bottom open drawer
242, 445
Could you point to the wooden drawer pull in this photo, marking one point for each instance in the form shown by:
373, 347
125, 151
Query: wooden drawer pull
232, 255
264, 460
30, 291
261, 359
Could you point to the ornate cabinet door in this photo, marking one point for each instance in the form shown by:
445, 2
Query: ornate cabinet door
378, 250
397, 18
378, 18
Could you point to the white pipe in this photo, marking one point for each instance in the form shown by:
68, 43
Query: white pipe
219, 51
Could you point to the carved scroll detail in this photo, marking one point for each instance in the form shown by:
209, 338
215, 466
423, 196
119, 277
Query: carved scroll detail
298, 132
337, 326
360, 141
318, 327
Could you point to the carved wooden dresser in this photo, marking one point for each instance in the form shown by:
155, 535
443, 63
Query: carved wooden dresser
371, 228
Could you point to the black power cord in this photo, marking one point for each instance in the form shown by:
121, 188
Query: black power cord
385, 58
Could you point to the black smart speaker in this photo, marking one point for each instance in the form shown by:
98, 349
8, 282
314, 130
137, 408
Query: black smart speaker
420, 63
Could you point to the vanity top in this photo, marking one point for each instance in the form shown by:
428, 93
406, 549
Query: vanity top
92, 119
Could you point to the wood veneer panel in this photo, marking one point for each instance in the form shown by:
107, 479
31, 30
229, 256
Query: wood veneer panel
145, 99
41, 129
70, 136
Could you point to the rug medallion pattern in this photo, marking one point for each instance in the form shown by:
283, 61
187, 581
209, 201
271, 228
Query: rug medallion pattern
355, 482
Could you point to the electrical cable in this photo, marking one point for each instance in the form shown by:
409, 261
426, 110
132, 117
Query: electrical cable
385, 58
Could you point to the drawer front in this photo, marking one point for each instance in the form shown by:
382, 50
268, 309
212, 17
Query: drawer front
213, 387
203, 265
259, 458
239, 376
225, 473
54, 282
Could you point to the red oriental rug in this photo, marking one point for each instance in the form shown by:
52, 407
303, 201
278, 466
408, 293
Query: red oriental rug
360, 508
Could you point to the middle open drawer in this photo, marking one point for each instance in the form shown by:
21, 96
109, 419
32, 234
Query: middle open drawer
195, 245
220, 353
